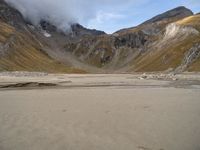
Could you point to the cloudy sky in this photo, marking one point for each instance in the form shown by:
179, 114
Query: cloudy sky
106, 15
133, 13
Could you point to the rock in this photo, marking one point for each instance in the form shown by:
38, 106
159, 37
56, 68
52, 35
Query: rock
141, 78
192, 54
45, 25
175, 30
79, 30
132, 40
10, 15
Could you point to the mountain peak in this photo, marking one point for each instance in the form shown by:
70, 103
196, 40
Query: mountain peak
45, 25
76, 30
79, 30
178, 13
10, 15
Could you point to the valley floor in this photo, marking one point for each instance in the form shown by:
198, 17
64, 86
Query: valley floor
41, 111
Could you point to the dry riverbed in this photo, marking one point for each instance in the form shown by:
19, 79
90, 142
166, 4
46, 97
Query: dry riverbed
41, 111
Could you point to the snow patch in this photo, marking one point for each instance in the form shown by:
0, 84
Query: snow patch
46, 34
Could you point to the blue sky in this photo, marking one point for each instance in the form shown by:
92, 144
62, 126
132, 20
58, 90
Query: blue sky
116, 14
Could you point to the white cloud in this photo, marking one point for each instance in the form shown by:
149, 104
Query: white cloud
102, 17
64, 12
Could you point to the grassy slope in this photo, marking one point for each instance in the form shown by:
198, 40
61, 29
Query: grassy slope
171, 55
24, 54
193, 21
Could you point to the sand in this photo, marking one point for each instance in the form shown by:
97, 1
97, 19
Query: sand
100, 112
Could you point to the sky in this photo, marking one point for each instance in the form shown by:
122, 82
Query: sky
105, 15
115, 17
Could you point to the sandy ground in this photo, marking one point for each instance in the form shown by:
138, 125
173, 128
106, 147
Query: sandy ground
99, 112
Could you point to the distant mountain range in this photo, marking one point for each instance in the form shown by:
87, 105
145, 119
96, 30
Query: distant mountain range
169, 42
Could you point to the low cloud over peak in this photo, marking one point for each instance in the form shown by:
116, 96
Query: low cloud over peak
61, 13
107, 15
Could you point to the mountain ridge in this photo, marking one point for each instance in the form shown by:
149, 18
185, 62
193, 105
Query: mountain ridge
162, 43
178, 11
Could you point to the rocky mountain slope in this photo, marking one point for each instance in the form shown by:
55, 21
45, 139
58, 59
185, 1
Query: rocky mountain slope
167, 42
22, 46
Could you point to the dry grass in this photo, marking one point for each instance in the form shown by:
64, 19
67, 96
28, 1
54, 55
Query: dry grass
191, 21
195, 66
165, 58
25, 54
170, 55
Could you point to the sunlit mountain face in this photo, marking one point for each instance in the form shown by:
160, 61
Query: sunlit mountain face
168, 42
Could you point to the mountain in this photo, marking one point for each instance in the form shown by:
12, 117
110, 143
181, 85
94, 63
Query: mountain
10, 15
132, 49
167, 42
79, 30
178, 49
176, 13
158, 22
24, 47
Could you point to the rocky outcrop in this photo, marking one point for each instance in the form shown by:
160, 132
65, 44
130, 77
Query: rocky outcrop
79, 30
177, 31
131, 40
190, 57
45, 25
10, 15
75, 31
192, 54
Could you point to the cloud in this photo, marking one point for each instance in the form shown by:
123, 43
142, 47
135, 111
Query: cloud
60, 12
63, 13
103, 17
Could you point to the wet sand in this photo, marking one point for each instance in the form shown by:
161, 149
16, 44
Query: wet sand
100, 112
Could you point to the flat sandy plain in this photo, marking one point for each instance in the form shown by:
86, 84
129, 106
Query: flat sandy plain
99, 112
